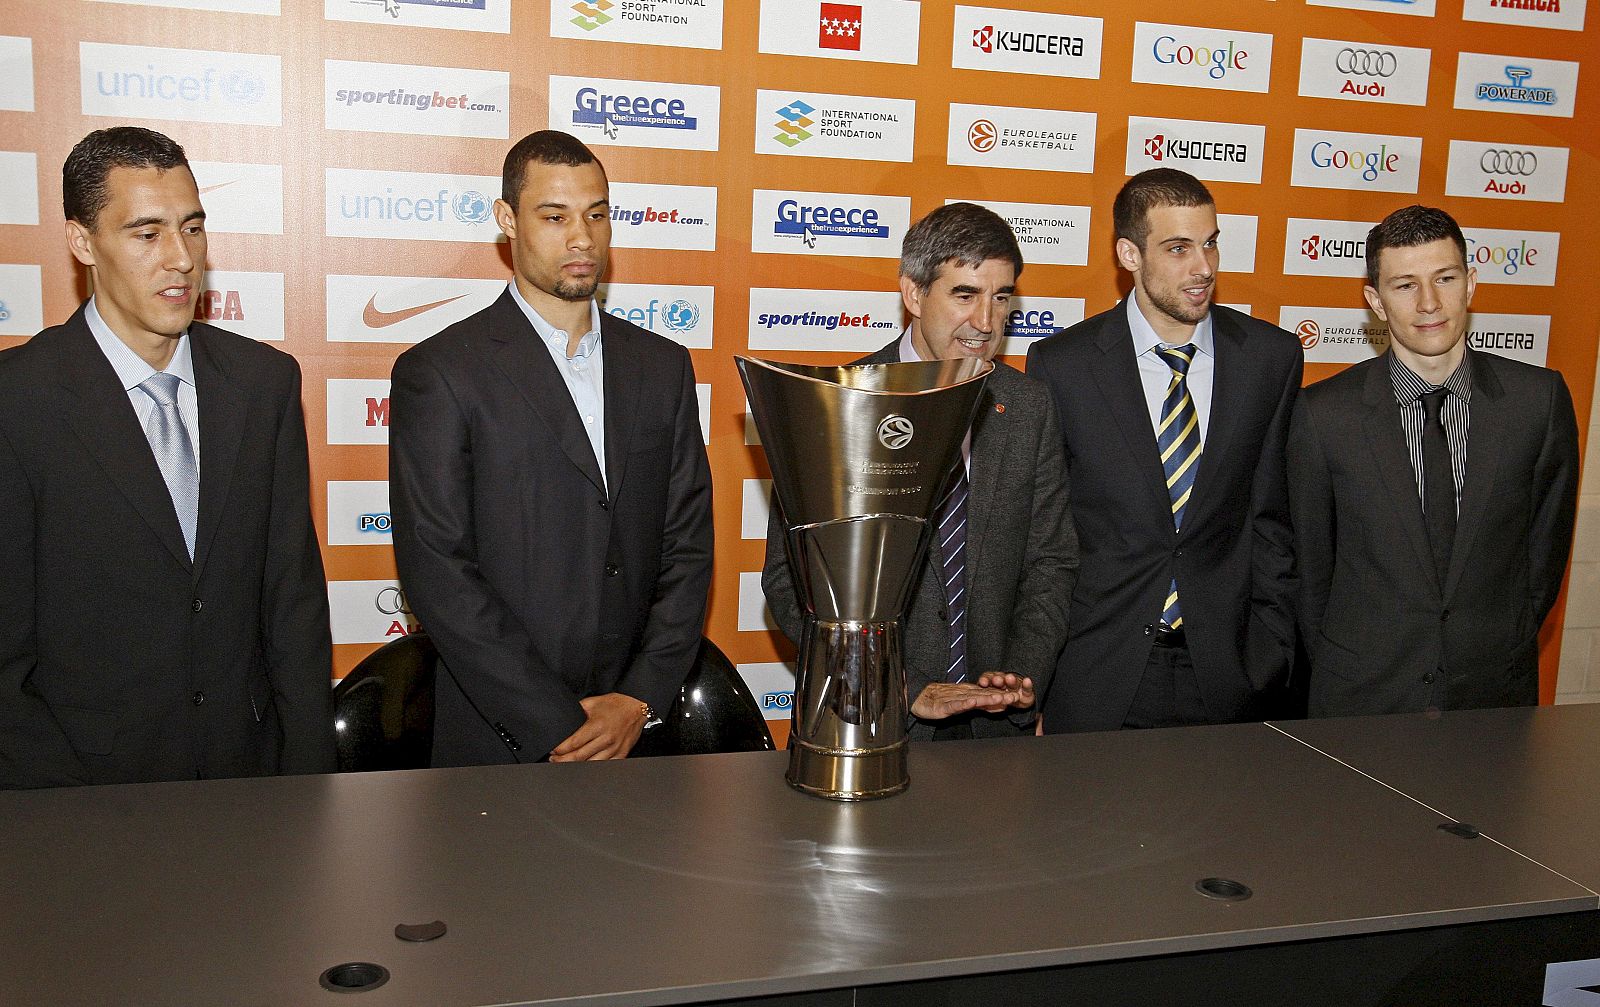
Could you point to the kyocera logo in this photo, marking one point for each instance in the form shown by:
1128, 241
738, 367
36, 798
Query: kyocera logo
1509, 259
1317, 247
1369, 164
237, 87
1217, 62
1155, 147
807, 222
469, 206
989, 38
793, 122
1160, 147
1518, 90
594, 107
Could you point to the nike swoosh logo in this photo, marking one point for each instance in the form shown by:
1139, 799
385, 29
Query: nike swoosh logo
376, 319
219, 185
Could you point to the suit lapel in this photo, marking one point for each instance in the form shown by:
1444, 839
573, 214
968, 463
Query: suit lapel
222, 419
1484, 452
990, 432
1386, 442
1116, 373
622, 383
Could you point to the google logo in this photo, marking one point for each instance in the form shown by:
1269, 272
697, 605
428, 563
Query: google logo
1369, 163
1218, 61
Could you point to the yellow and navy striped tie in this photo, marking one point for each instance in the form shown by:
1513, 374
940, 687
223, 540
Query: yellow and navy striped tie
1178, 437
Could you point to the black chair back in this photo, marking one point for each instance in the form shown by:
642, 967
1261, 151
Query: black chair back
714, 712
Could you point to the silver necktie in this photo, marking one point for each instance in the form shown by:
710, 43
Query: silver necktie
169, 440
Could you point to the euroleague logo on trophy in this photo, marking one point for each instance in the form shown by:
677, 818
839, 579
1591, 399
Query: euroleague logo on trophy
895, 432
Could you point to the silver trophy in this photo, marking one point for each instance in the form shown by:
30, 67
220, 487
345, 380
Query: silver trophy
859, 455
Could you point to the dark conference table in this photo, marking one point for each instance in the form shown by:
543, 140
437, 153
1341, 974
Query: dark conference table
1044, 871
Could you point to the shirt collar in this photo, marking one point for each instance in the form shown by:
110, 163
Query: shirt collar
132, 369
908, 349
1145, 339
557, 338
1409, 385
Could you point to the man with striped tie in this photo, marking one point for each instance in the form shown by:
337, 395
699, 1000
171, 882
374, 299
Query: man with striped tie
989, 613
1174, 412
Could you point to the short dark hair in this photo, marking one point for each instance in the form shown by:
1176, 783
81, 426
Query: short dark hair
83, 175
547, 146
1130, 213
1409, 227
965, 233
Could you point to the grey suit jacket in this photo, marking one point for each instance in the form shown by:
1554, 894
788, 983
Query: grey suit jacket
1022, 555
1379, 627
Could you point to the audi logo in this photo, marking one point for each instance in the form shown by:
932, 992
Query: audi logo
895, 432
392, 601
1366, 62
1509, 162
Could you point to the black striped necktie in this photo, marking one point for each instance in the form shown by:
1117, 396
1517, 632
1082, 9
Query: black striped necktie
950, 535
1438, 480
1178, 437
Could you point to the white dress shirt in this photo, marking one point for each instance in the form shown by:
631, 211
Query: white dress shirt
583, 372
908, 355
132, 370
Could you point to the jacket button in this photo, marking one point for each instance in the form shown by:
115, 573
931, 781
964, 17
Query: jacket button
605, 505
1177, 552
1427, 679
198, 698
612, 569
196, 605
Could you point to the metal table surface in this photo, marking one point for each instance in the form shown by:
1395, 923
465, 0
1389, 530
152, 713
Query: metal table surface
693, 878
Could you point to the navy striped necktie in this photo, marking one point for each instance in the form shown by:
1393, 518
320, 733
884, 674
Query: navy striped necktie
1178, 437
950, 535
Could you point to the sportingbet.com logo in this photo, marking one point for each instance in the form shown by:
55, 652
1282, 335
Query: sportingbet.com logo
819, 320
592, 13
793, 119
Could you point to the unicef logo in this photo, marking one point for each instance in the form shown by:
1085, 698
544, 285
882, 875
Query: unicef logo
681, 316
471, 207
243, 88
895, 432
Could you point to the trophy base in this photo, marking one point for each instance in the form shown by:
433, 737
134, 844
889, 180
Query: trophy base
848, 775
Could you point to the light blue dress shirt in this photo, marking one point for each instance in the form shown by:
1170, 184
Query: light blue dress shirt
583, 372
132, 370
1155, 375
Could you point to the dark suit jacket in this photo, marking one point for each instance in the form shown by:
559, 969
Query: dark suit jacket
1232, 559
1378, 624
1022, 555
120, 660
540, 582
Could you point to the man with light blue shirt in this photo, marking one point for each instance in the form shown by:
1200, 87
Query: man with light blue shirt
164, 614
551, 497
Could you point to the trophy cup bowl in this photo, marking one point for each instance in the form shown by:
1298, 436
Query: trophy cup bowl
859, 455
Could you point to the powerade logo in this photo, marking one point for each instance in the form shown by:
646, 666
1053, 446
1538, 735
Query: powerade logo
1518, 91
777, 701
1217, 62
469, 206
375, 524
594, 107
591, 14
807, 222
794, 122
1369, 164
817, 320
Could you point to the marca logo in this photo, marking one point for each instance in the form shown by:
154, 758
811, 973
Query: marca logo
402, 309
192, 85
1524, 258
1418, 8
250, 304
1056, 45
16, 74
430, 100
1236, 243
21, 300
850, 320
772, 683
226, 6
663, 216
1201, 57
19, 187
465, 15
683, 313
1516, 84
813, 124
358, 513
1032, 318
1364, 71
240, 198
1335, 335
411, 204
636, 113
1325, 247
1220, 151
1329, 160
692, 24
1506, 171
1520, 337
880, 31
829, 223
1048, 233
358, 411
1566, 14
369, 611
1040, 139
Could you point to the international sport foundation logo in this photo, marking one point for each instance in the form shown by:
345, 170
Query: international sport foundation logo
1518, 91
839, 26
591, 14
794, 120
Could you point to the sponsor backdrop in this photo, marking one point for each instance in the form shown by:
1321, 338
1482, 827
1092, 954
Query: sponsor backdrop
766, 159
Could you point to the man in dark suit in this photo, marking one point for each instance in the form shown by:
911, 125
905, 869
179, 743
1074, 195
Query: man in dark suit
164, 614
1433, 490
989, 612
552, 502
1175, 413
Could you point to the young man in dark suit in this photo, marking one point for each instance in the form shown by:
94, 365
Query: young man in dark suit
1433, 491
552, 502
1175, 412
164, 614
989, 613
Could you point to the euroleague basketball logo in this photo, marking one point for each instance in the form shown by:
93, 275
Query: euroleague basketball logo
895, 432
1310, 333
981, 135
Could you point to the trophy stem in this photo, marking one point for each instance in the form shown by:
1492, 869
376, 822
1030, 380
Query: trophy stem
849, 736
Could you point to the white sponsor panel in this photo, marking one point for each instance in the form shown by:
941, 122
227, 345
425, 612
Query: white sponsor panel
240, 198
702, 394
755, 507
1506, 171
1525, 258
464, 15
358, 411
420, 205
402, 309
1335, 335
1243, 309
636, 113
1519, 85
1418, 8
645, 22
1520, 337
879, 31
684, 313
16, 74
1236, 242
1031, 318
428, 100
369, 611
813, 124
1567, 14
1048, 233
250, 304
856, 321
358, 513
1217, 151
1020, 41
22, 300
772, 684
189, 85
19, 187
1040, 139
1201, 57
828, 223
648, 215
1325, 159
1314, 247
753, 614
1364, 71
225, 6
